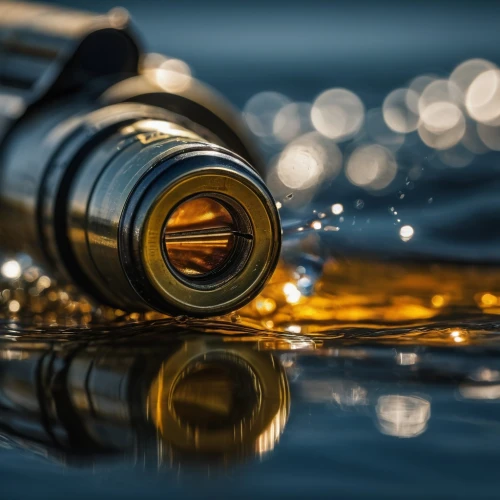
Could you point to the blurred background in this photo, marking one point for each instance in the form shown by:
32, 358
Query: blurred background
301, 49
381, 118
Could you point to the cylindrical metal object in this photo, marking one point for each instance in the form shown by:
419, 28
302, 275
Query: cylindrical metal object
146, 204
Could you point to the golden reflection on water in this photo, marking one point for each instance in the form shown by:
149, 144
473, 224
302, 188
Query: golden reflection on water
161, 399
371, 294
170, 394
348, 295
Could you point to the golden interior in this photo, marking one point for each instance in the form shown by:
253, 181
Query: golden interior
213, 396
199, 237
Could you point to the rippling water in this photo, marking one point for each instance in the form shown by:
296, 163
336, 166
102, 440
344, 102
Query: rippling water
369, 366
167, 409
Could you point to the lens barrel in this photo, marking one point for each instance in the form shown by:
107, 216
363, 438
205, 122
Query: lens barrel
143, 212
141, 191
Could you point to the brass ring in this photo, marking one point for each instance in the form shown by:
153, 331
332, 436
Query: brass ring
223, 182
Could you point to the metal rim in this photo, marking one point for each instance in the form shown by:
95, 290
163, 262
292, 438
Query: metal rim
211, 171
230, 289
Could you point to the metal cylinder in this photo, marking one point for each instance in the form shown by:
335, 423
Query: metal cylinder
139, 209
139, 192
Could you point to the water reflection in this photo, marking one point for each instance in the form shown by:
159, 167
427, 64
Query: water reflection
311, 292
403, 416
176, 395
155, 399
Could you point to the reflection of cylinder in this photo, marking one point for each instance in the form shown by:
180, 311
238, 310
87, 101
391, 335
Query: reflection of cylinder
221, 402
179, 401
403, 416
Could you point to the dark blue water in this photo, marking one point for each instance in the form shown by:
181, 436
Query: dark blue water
356, 418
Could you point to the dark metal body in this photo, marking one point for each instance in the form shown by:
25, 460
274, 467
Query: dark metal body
76, 128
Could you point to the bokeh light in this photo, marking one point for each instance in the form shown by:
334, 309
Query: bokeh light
438, 91
11, 269
371, 167
292, 293
337, 114
260, 113
406, 233
291, 121
442, 125
417, 86
399, 110
337, 208
307, 161
173, 75
465, 73
483, 98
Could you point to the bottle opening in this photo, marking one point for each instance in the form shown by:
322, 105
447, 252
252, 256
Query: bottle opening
200, 237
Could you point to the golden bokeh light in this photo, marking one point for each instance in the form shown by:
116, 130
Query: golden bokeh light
292, 293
